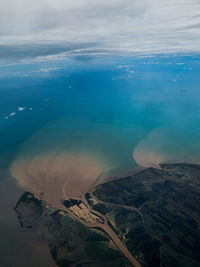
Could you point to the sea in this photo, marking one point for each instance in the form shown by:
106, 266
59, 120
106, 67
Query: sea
124, 112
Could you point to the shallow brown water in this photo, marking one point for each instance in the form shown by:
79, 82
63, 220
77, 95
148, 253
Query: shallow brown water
54, 177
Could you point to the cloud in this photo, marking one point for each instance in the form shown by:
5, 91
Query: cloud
126, 73
21, 108
148, 26
45, 70
12, 114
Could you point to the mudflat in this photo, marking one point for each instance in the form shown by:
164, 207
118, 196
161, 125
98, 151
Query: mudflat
154, 214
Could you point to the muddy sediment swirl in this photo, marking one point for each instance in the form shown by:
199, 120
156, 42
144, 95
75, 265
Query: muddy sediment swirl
54, 177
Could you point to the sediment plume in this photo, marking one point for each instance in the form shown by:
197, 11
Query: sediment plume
148, 159
54, 177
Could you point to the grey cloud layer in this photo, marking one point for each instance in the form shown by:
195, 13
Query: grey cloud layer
121, 25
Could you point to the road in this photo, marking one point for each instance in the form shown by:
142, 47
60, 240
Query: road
106, 228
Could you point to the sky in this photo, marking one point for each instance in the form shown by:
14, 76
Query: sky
126, 26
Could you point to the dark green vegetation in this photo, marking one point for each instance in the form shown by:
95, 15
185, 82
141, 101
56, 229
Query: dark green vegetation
157, 213
71, 202
70, 242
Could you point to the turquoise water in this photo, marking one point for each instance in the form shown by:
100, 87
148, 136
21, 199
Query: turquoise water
124, 111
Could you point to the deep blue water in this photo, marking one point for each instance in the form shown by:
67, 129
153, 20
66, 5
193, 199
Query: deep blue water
107, 107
